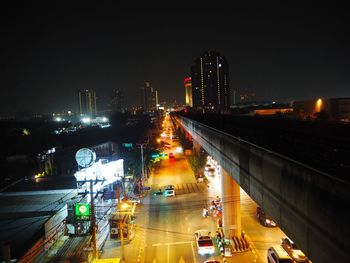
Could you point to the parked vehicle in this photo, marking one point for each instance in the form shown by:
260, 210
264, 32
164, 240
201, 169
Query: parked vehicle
277, 254
293, 250
264, 219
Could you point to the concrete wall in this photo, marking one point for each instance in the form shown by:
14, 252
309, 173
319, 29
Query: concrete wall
311, 207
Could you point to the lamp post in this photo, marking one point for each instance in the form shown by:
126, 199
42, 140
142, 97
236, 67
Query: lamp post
121, 224
142, 162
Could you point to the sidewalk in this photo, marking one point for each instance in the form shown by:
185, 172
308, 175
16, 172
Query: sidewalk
132, 249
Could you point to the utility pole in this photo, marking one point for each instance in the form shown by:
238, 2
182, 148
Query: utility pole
124, 190
93, 220
121, 225
142, 162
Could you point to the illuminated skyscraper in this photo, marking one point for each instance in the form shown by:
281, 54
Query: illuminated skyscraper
149, 97
87, 102
210, 83
188, 91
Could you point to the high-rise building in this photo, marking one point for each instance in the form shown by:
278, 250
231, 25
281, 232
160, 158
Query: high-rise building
117, 102
210, 83
87, 102
188, 91
149, 97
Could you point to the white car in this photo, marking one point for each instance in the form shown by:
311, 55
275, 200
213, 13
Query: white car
169, 192
204, 242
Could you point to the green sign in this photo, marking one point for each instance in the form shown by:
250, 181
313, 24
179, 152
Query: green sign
155, 156
82, 211
127, 145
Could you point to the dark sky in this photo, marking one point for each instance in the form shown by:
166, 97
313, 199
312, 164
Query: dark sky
279, 51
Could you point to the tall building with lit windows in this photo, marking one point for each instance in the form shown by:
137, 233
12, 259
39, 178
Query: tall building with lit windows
149, 97
188, 91
210, 83
87, 102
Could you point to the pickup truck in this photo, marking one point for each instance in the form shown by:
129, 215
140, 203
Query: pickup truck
204, 242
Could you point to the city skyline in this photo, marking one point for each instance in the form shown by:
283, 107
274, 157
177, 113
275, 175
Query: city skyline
280, 52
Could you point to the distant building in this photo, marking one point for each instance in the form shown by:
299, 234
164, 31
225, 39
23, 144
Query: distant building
117, 102
87, 102
332, 109
210, 83
149, 97
188, 91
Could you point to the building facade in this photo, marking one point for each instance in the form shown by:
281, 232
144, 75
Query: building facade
331, 109
210, 83
149, 97
117, 102
87, 102
188, 91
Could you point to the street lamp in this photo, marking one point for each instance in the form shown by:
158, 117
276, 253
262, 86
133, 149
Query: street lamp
142, 161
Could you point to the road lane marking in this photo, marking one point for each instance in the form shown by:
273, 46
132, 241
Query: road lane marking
173, 243
194, 256
168, 253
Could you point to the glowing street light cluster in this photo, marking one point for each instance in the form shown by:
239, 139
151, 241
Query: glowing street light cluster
212, 171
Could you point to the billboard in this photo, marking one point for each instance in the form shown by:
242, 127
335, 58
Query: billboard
104, 173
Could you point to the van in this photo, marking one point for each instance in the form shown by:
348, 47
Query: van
277, 254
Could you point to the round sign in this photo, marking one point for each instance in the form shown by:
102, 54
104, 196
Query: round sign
85, 157
82, 209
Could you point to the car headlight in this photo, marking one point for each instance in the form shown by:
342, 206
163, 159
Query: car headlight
267, 221
295, 255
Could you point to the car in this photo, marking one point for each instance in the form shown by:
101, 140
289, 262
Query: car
171, 156
159, 192
293, 250
211, 172
169, 192
170, 187
207, 167
133, 200
204, 242
277, 254
264, 219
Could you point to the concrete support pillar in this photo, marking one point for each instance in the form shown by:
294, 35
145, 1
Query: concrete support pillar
231, 207
197, 147
187, 135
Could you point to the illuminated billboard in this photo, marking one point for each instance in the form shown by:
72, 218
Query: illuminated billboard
102, 173
82, 211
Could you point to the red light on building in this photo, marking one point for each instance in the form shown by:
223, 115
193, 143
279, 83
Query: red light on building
187, 81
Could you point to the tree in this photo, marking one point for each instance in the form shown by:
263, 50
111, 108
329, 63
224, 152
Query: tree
197, 162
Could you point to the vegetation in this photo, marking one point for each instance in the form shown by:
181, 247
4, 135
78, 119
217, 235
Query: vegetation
197, 162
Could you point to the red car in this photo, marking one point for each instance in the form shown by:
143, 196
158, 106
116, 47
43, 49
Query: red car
171, 156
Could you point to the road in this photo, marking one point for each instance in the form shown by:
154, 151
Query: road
171, 221
262, 237
166, 225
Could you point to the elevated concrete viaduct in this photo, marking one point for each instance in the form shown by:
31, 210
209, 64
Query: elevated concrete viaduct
310, 206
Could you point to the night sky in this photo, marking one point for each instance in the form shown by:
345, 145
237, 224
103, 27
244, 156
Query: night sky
280, 52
